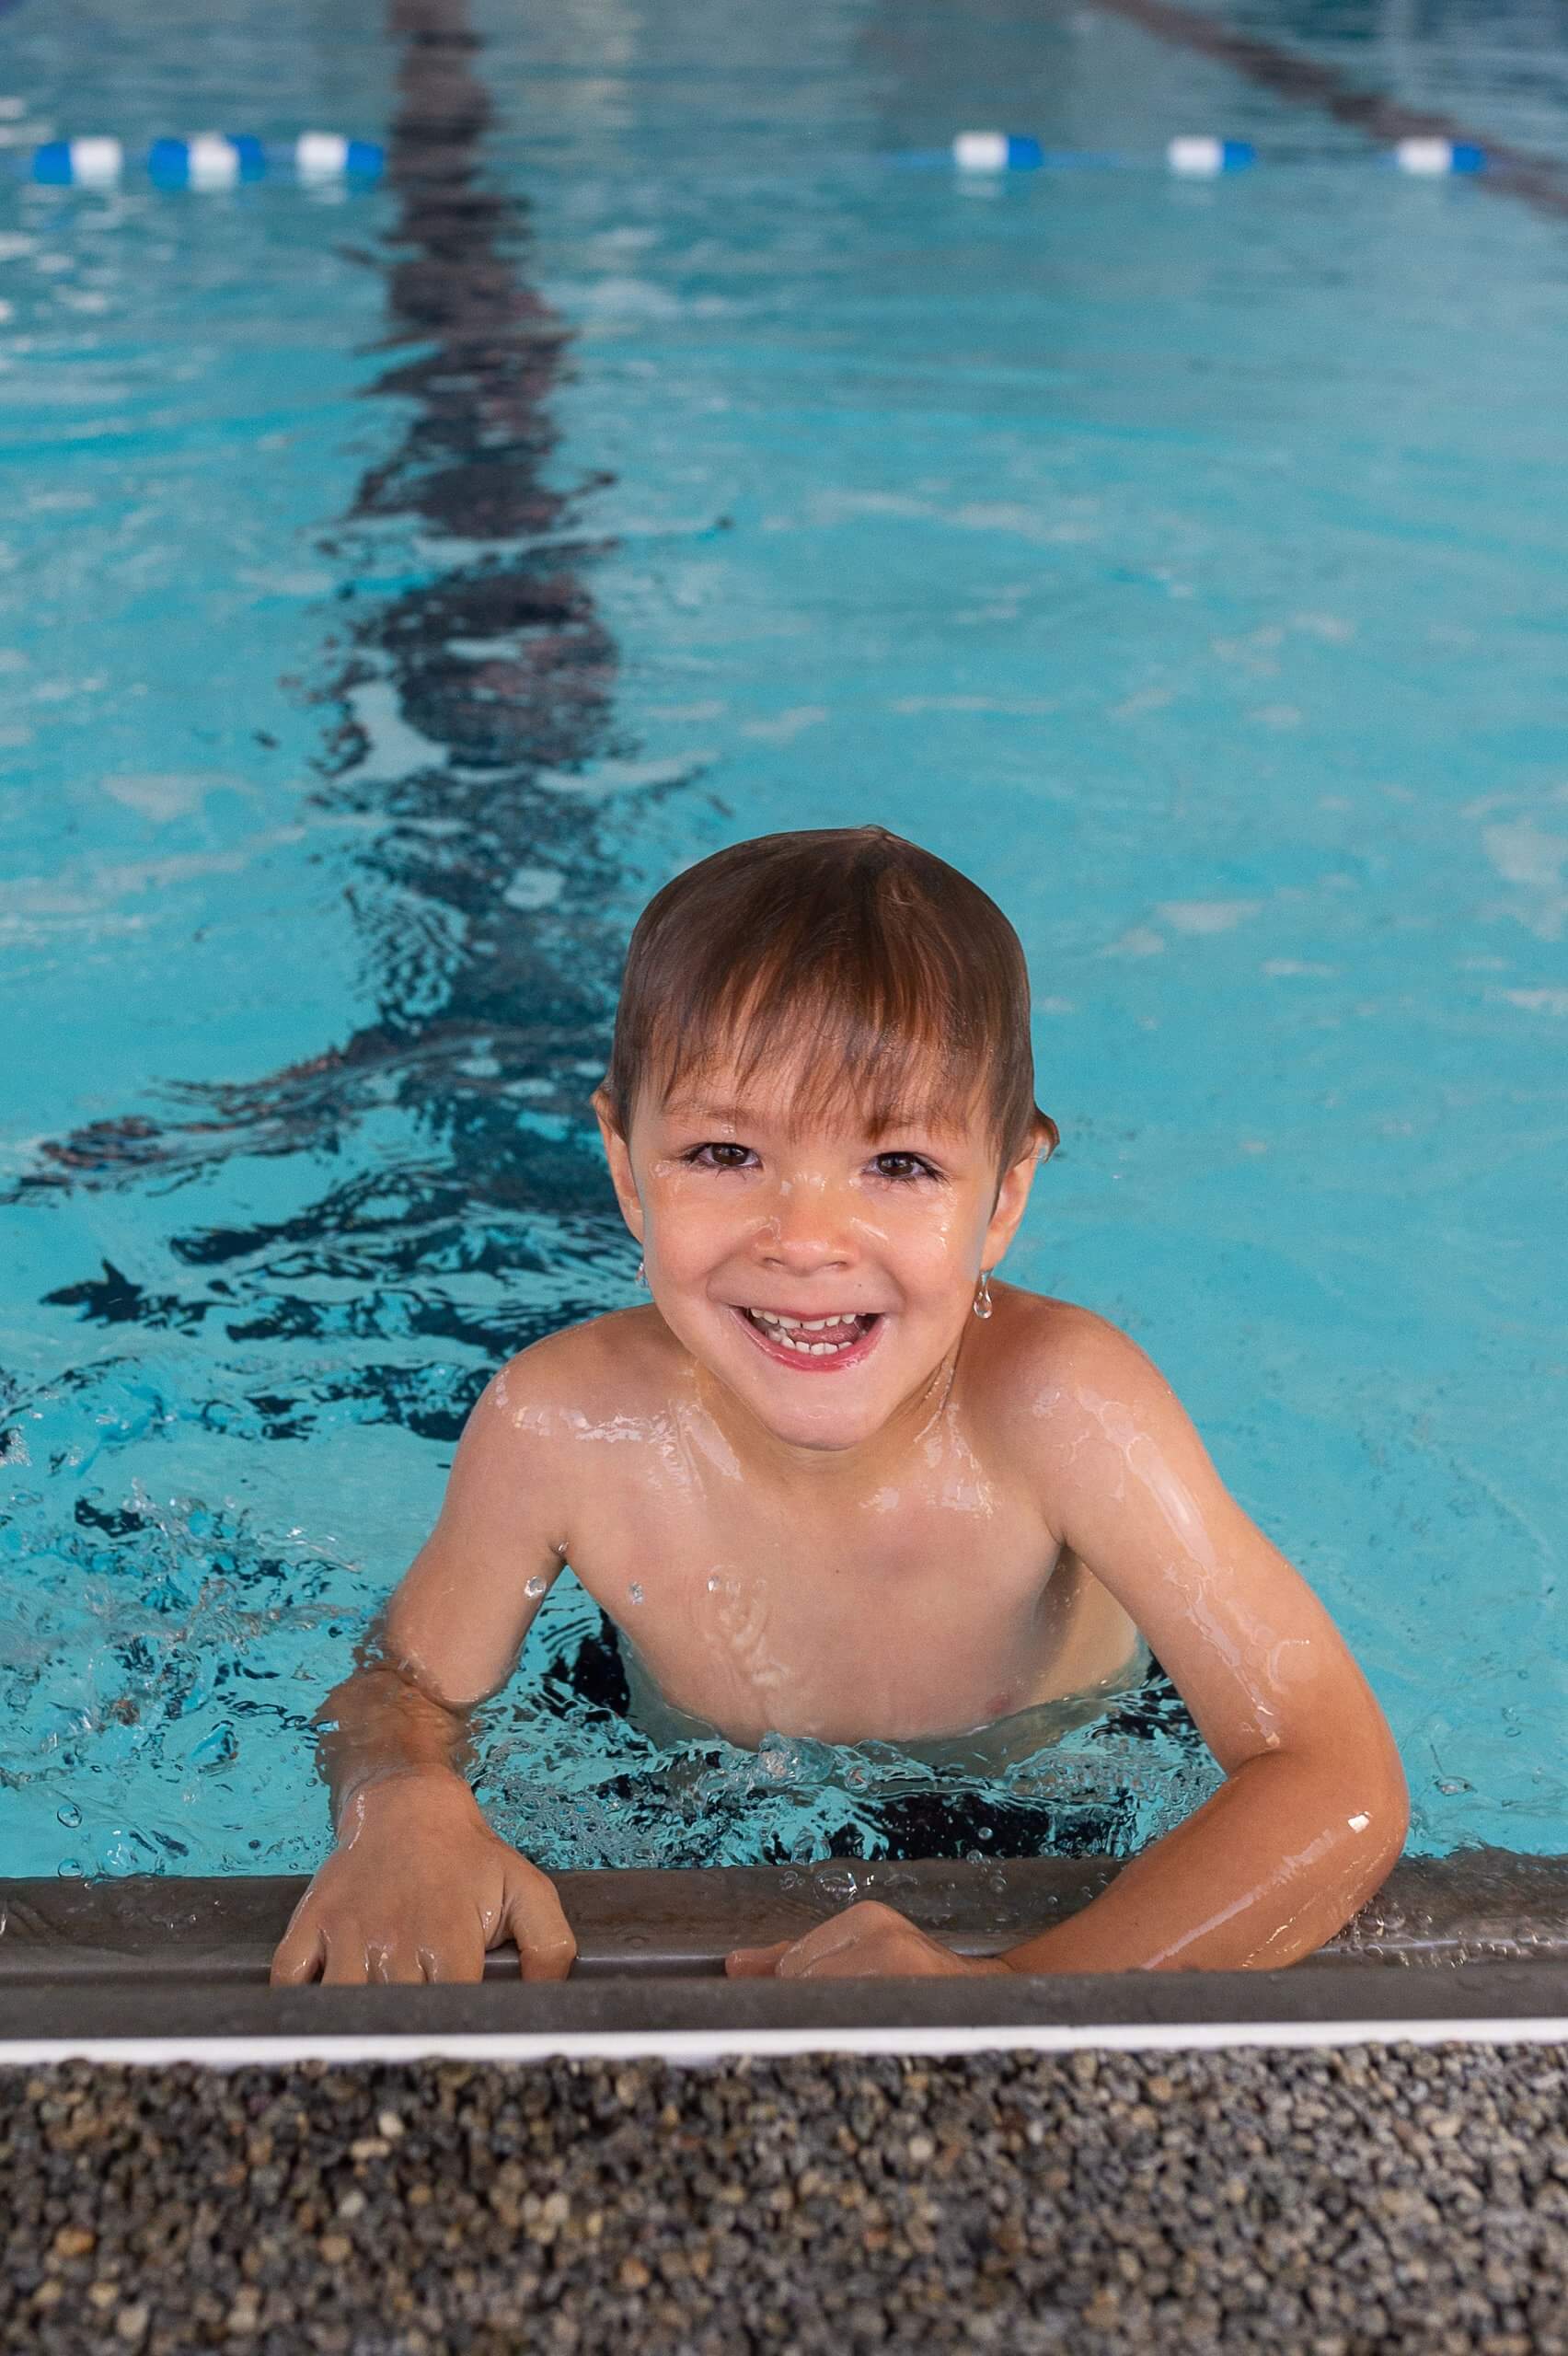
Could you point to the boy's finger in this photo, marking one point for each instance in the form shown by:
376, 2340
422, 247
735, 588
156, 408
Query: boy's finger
393, 1964
346, 1959
534, 1915
459, 1959
299, 1954
755, 1963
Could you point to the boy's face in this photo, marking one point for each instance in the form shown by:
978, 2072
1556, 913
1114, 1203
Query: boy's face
746, 1221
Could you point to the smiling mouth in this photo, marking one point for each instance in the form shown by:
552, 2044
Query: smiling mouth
815, 1345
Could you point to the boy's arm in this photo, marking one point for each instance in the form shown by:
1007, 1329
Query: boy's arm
452, 1627
1314, 1809
418, 1886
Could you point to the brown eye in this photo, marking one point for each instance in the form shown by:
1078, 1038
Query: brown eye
912, 1167
721, 1144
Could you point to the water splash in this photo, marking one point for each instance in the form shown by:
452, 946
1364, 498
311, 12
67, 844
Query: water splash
153, 1651
573, 1781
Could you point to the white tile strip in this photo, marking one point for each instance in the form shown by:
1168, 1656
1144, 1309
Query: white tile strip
697, 2047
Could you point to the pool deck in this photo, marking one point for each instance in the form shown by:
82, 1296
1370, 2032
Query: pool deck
1333, 2201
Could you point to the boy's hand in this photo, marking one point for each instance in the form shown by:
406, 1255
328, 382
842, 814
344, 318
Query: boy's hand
866, 1942
417, 1888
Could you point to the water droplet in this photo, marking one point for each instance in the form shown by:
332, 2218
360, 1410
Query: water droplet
634, 1591
714, 1584
70, 1815
536, 1587
987, 1833
974, 1858
69, 1869
839, 1881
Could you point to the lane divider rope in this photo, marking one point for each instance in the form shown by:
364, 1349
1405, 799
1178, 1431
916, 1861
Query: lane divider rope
211, 159
1192, 156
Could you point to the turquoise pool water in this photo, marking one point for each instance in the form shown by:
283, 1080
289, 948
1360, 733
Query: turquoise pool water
399, 584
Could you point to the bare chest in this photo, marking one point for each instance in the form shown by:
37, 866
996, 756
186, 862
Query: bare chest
926, 1606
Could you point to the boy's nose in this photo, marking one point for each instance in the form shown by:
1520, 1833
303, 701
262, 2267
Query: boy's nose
803, 1231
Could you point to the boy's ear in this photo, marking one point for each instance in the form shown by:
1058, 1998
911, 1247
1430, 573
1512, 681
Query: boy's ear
1012, 1195
619, 1155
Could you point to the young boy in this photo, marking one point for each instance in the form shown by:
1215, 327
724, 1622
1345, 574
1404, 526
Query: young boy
834, 1480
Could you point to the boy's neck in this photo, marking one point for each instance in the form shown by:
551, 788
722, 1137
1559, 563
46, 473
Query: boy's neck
823, 1475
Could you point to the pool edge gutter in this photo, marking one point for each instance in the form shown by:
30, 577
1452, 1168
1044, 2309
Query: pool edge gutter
161, 1968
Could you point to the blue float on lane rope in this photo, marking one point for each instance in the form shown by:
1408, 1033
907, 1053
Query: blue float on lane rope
327, 155
1204, 158
1436, 158
996, 151
209, 160
83, 163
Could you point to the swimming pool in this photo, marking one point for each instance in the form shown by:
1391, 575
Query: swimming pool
403, 580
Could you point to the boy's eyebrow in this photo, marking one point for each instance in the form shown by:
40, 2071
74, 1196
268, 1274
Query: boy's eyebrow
731, 1114
737, 1116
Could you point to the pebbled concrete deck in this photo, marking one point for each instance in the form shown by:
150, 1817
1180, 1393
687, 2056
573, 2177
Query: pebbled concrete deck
1305, 2204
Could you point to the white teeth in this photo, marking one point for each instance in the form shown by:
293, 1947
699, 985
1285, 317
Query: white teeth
802, 1325
784, 1330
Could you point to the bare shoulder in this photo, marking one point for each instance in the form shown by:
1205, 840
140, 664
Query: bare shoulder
517, 1476
1057, 1374
1048, 1353
579, 1374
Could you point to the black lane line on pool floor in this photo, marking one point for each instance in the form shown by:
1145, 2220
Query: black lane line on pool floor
498, 658
1511, 171
495, 653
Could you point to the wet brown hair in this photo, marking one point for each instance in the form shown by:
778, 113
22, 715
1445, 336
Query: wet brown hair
891, 983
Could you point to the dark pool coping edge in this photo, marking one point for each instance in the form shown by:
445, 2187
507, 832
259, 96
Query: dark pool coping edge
1476, 1905
1472, 1944
704, 2019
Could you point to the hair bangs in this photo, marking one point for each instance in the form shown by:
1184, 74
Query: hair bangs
884, 1069
886, 984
